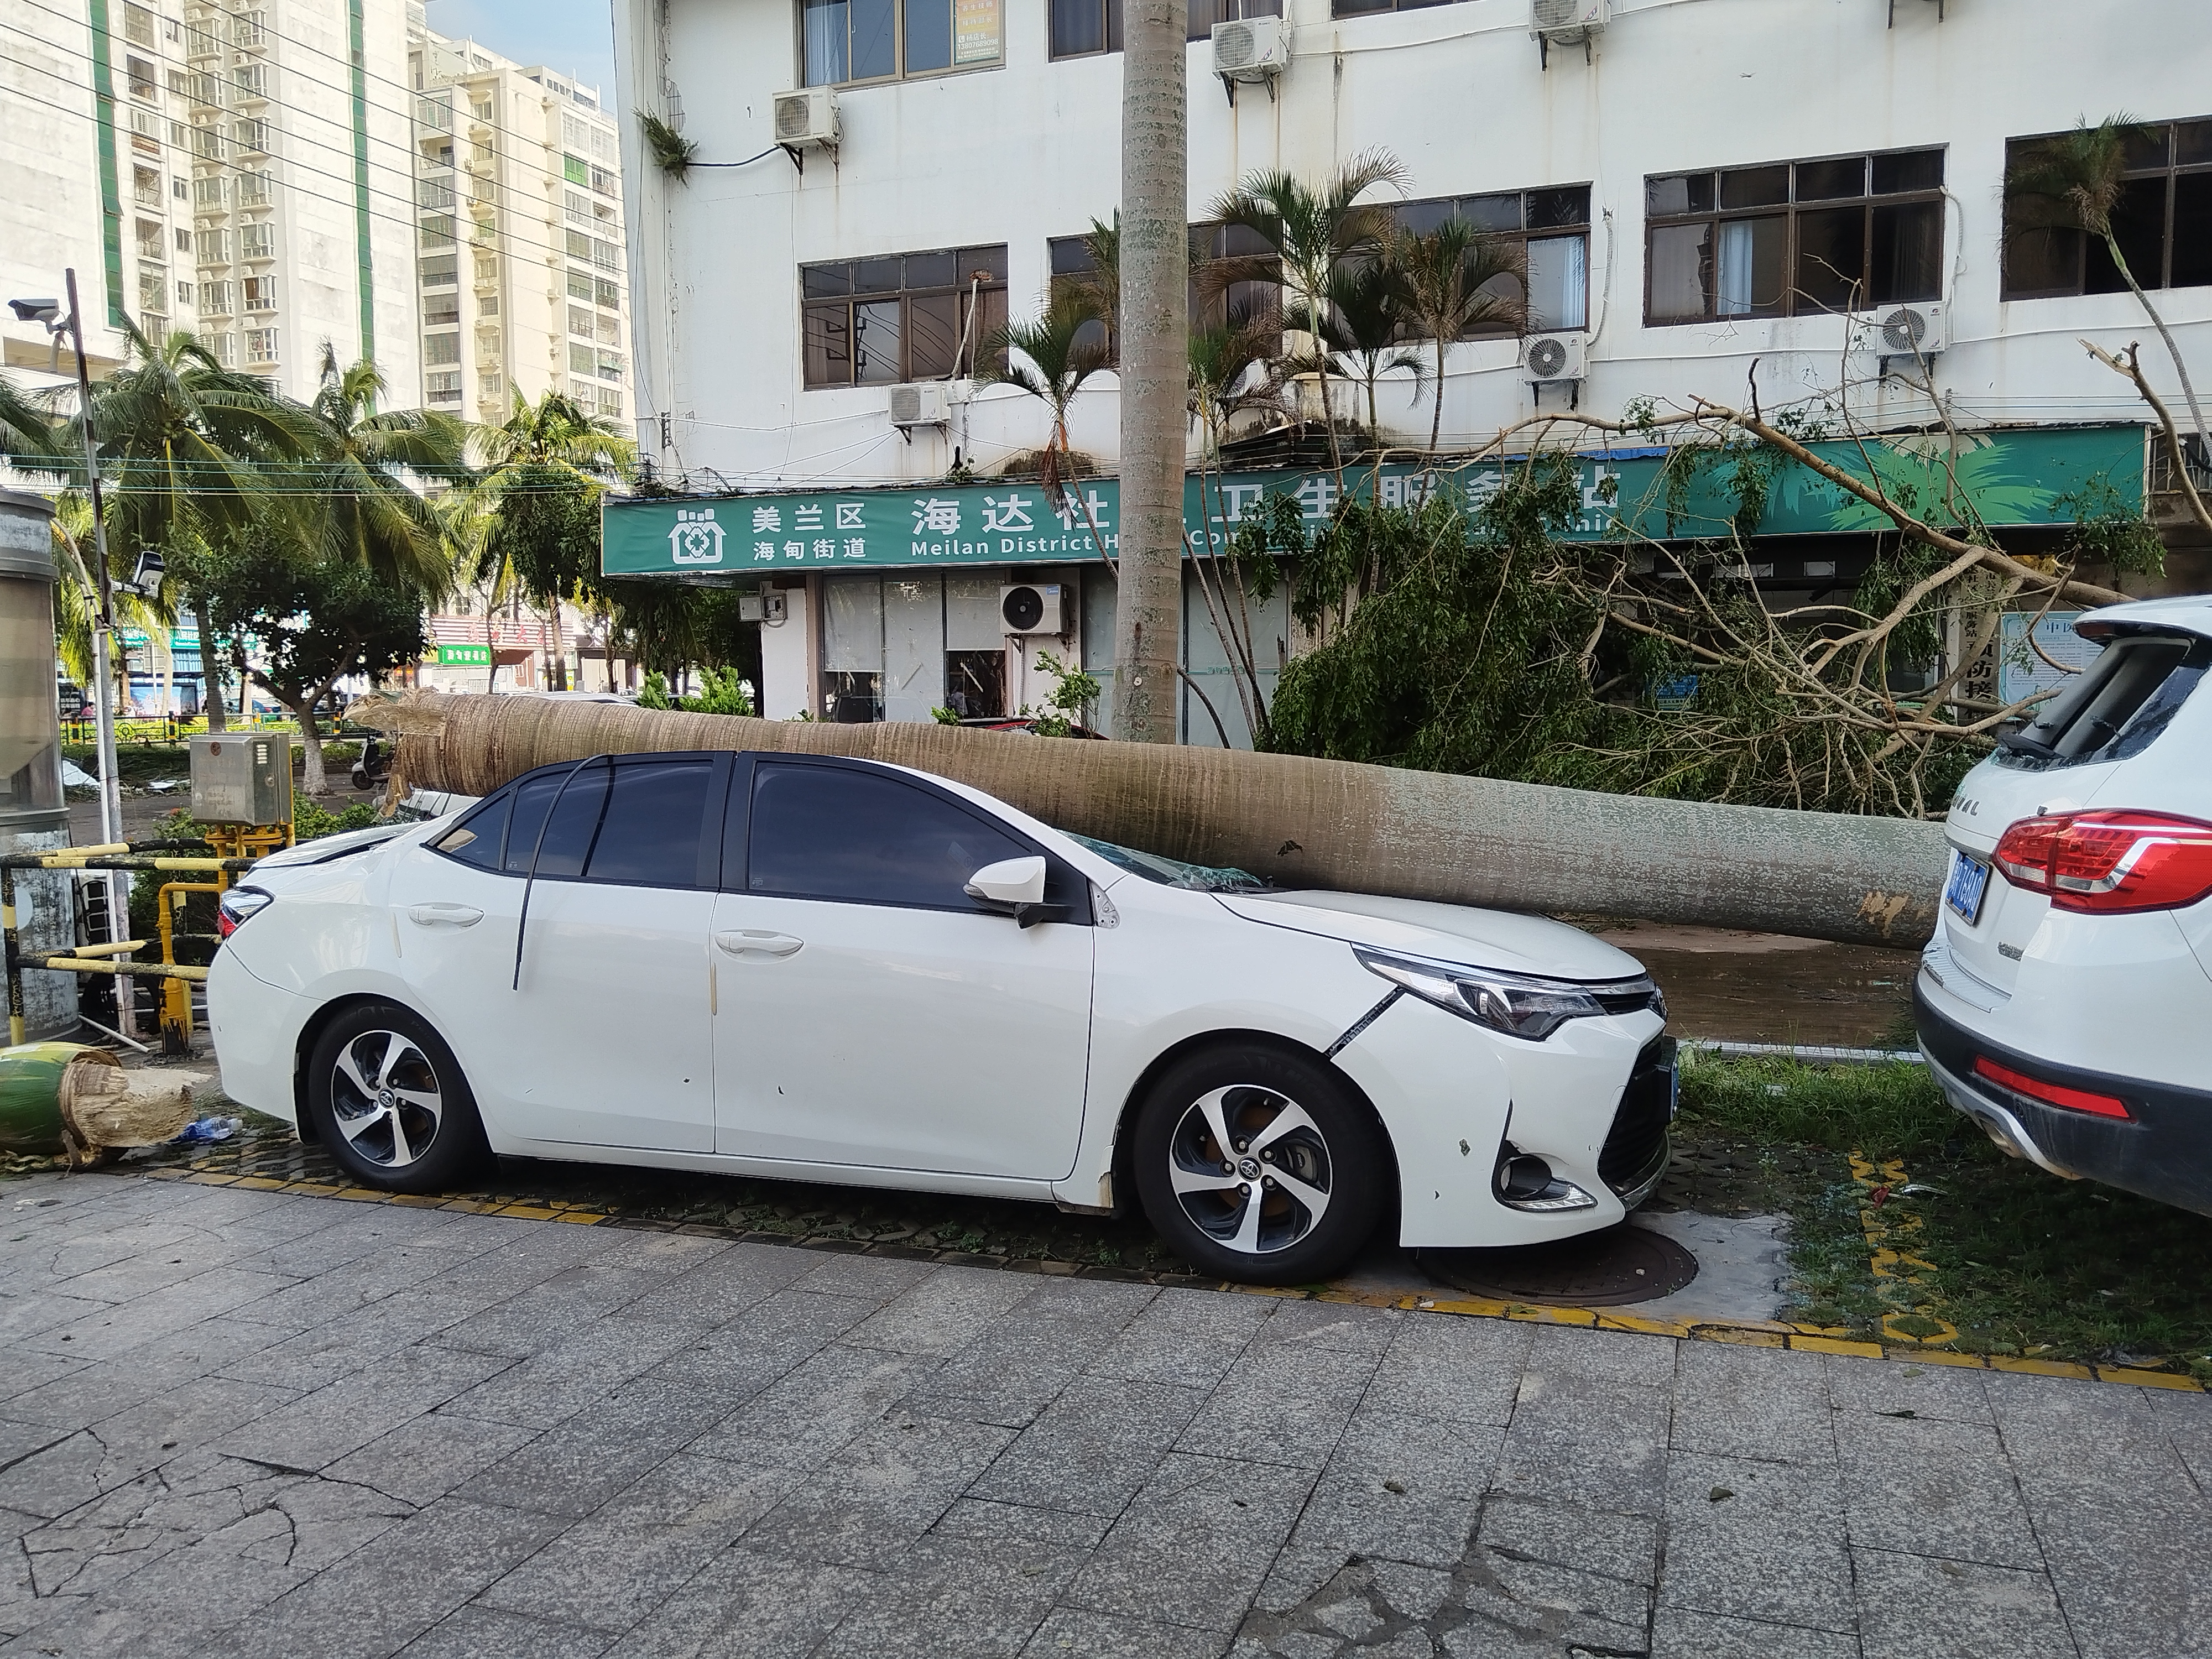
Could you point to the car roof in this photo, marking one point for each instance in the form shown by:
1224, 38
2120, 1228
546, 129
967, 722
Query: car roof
2186, 613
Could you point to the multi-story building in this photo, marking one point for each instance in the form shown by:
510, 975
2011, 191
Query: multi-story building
522, 278
240, 170
1728, 198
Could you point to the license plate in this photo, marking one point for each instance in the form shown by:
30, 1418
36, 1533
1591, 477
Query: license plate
1970, 879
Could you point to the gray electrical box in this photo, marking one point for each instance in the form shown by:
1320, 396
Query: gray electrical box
242, 777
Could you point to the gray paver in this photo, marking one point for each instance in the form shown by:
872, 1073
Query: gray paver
1678, 1633
1094, 1447
1933, 1486
1756, 1541
1587, 1441
1913, 1607
1748, 1402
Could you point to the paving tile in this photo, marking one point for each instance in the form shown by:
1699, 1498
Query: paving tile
717, 1289
1598, 1443
1753, 1403
882, 1492
776, 1335
951, 1595
1679, 1633
748, 1605
1915, 1606
318, 1429
2186, 1418
942, 1313
1020, 1524
130, 1327
1069, 1633
1400, 1488
1283, 1402
1756, 1541
1887, 1386
1092, 1449
1933, 1486
871, 1278
1610, 1356
1027, 1356
1194, 1546
1187, 1339
1621, 1547
1346, 1327
1463, 1370
580, 1463
477, 1632
2132, 1565
573, 1374
799, 1420
427, 1456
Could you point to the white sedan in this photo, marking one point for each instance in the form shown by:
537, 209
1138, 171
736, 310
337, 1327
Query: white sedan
832, 970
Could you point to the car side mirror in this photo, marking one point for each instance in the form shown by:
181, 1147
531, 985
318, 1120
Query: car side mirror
1010, 881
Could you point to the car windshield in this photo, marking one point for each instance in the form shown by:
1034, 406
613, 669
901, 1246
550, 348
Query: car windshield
1172, 873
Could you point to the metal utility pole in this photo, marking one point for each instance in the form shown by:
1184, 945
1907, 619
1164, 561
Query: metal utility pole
1155, 322
103, 630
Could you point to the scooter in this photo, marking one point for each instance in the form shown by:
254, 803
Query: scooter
374, 766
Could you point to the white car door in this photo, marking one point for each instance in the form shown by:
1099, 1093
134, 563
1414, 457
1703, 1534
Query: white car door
871, 1012
605, 1035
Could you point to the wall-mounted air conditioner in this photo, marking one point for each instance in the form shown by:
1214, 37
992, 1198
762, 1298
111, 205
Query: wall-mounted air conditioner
1921, 328
1554, 356
1031, 608
806, 118
1568, 23
923, 404
1251, 49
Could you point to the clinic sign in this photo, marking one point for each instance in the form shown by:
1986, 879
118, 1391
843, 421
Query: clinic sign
2023, 477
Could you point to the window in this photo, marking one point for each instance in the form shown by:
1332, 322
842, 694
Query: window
180, 189
837, 832
207, 144
444, 388
179, 82
183, 294
438, 230
438, 271
152, 239
579, 322
249, 133
257, 241
580, 287
607, 256
223, 348
488, 305
441, 308
610, 402
1070, 260
580, 359
146, 124
2162, 221
609, 331
577, 206
579, 245
434, 195
611, 366
1551, 225
487, 269
248, 28
261, 293
153, 286
649, 830
208, 194
873, 322
441, 348
253, 189
184, 240
214, 299
139, 72
251, 80
146, 187
607, 293
845, 40
1239, 302
605, 182
260, 345
199, 43
1081, 27
1360, 8
137, 26
1797, 238
212, 246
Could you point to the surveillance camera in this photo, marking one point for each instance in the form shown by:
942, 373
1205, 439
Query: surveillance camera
35, 311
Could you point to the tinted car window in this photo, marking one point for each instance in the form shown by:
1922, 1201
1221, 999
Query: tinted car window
478, 838
2117, 707
569, 837
649, 835
838, 833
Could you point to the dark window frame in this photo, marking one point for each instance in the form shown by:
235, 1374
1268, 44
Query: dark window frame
1065, 884
899, 70
820, 299
1107, 15
1210, 240
1789, 209
1558, 230
1067, 258
1369, 7
2169, 175
501, 803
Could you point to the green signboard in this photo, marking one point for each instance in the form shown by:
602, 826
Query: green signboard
2011, 478
463, 656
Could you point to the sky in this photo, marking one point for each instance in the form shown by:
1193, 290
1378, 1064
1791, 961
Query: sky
573, 36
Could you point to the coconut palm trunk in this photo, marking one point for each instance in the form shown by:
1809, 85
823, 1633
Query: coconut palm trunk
1153, 308
1293, 819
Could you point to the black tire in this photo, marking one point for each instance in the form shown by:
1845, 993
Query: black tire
1332, 1150
387, 1099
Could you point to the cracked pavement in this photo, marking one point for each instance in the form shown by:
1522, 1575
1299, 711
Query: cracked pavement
245, 1423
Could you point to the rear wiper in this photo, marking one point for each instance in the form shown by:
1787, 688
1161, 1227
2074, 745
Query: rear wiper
2019, 743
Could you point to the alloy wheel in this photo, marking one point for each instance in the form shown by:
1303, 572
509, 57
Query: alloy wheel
386, 1098
1250, 1167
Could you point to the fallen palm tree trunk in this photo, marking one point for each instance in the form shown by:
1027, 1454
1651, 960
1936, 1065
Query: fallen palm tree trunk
1289, 819
68, 1098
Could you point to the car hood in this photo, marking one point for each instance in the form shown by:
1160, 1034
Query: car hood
323, 848
1441, 932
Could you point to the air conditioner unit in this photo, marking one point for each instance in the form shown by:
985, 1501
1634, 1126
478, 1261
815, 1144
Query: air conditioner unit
922, 405
1028, 608
1251, 49
806, 117
1921, 328
1568, 23
1554, 356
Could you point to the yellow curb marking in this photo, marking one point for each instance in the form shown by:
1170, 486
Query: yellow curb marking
2039, 1367
1898, 1273
1831, 1345
2146, 1379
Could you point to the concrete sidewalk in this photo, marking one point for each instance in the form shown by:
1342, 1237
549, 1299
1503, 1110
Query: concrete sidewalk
250, 1424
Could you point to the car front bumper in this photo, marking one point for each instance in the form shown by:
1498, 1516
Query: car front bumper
2162, 1149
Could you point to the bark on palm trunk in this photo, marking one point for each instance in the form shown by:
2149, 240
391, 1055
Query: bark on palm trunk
1300, 822
210, 677
1155, 274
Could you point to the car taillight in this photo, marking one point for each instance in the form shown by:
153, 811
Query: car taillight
2109, 862
2052, 1094
238, 907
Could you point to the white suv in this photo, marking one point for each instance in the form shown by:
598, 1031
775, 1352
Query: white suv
2066, 999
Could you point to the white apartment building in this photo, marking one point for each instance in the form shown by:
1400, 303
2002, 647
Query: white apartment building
238, 170
522, 278
1705, 190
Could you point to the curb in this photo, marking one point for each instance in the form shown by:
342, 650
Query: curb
1754, 1333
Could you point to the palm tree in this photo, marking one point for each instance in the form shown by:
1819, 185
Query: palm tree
2084, 173
1223, 384
1361, 331
1448, 284
26, 431
1309, 233
187, 448
545, 469
1059, 361
373, 518
76, 596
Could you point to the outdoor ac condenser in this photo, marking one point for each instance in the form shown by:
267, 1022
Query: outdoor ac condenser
920, 404
1030, 608
1921, 328
1568, 23
1251, 49
806, 117
1554, 356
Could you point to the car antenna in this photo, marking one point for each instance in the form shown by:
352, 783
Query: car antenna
522, 922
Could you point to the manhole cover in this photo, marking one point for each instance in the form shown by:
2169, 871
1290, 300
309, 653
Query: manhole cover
1597, 1270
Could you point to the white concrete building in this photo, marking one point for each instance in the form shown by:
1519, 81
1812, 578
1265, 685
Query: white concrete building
1706, 191
241, 170
522, 276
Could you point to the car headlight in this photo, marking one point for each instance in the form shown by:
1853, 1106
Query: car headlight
1519, 1004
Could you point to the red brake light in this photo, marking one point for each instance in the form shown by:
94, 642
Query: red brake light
2109, 862
2075, 1100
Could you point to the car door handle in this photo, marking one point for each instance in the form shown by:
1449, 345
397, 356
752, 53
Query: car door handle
444, 915
754, 942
